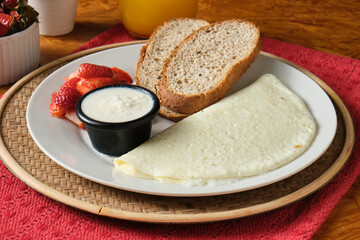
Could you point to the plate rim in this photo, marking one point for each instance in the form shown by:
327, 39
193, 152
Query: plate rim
22, 174
164, 190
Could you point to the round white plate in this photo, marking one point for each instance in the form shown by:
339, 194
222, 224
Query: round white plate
68, 145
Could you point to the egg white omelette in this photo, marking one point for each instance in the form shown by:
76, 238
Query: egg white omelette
255, 130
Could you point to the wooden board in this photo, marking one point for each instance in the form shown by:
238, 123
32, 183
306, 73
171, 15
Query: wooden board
21, 155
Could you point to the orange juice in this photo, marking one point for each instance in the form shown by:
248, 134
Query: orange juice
141, 17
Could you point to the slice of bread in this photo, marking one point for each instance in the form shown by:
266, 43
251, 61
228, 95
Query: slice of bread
157, 50
206, 64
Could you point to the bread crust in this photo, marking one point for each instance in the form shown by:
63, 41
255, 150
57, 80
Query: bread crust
144, 50
188, 104
141, 59
164, 112
142, 55
171, 115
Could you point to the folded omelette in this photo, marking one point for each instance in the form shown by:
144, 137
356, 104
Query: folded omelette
255, 130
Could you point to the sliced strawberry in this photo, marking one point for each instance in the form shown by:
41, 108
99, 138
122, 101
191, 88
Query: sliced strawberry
71, 83
88, 70
15, 14
54, 109
68, 92
86, 85
121, 75
6, 20
63, 101
86, 78
71, 115
71, 76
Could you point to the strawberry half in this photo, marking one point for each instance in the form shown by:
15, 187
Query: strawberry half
121, 75
63, 101
71, 83
88, 70
16, 15
6, 20
86, 78
71, 115
86, 85
71, 76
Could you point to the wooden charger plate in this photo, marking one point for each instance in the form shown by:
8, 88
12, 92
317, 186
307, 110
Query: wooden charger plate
22, 156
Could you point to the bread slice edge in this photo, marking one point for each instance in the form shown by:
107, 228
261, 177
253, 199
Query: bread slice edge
164, 112
188, 104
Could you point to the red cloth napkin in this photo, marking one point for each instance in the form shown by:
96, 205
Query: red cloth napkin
115, 34
27, 214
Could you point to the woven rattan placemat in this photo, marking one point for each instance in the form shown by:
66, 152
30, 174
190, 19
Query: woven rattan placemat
22, 156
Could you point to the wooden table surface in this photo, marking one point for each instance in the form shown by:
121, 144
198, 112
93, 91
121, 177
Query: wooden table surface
331, 26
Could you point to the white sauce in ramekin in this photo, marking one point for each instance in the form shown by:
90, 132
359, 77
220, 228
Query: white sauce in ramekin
117, 104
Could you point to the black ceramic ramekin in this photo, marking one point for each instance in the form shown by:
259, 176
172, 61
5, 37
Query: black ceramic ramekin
117, 138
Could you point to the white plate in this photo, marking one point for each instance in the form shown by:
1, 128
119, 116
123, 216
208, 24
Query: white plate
69, 146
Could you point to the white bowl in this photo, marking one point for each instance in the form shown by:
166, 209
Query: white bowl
19, 54
56, 17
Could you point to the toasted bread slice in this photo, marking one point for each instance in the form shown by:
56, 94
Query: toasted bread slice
157, 50
206, 64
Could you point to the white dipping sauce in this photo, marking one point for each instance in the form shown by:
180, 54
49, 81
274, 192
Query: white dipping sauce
116, 104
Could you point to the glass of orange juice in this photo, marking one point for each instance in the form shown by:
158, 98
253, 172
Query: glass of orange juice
141, 17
